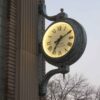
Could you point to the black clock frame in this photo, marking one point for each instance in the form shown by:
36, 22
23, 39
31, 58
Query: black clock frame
77, 49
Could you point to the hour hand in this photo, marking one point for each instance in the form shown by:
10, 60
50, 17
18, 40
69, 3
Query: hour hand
56, 43
54, 49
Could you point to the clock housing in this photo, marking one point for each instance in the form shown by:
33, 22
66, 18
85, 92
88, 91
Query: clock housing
64, 42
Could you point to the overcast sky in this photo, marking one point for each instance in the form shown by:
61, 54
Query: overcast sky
87, 12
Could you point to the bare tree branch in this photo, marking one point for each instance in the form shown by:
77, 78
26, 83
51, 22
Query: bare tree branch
72, 88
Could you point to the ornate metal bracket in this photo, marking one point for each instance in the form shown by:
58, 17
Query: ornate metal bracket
44, 83
60, 16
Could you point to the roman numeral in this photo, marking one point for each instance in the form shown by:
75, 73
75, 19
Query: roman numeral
69, 44
48, 43
65, 49
71, 37
54, 31
50, 48
64, 28
59, 53
50, 36
54, 52
59, 28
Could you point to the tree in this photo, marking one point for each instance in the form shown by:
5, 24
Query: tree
97, 94
72, 88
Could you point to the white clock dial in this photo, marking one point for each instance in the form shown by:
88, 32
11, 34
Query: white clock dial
58, 39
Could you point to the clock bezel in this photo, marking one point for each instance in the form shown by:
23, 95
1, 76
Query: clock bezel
65, 59
56, 33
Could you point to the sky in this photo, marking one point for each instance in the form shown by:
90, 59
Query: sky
86, 12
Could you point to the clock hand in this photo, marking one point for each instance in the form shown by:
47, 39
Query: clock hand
57, 42
59, 39
66, 33
62, 36
54, 49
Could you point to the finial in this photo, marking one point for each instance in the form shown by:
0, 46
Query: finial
62, 10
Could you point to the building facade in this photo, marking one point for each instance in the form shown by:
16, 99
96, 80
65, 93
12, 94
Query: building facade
21, 64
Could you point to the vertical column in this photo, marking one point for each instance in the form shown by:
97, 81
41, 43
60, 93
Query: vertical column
41, 30
3, 19
27, 69
10, 50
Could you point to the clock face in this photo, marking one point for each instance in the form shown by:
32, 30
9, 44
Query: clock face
58, 39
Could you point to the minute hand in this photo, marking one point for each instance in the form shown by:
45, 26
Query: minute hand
66, 33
